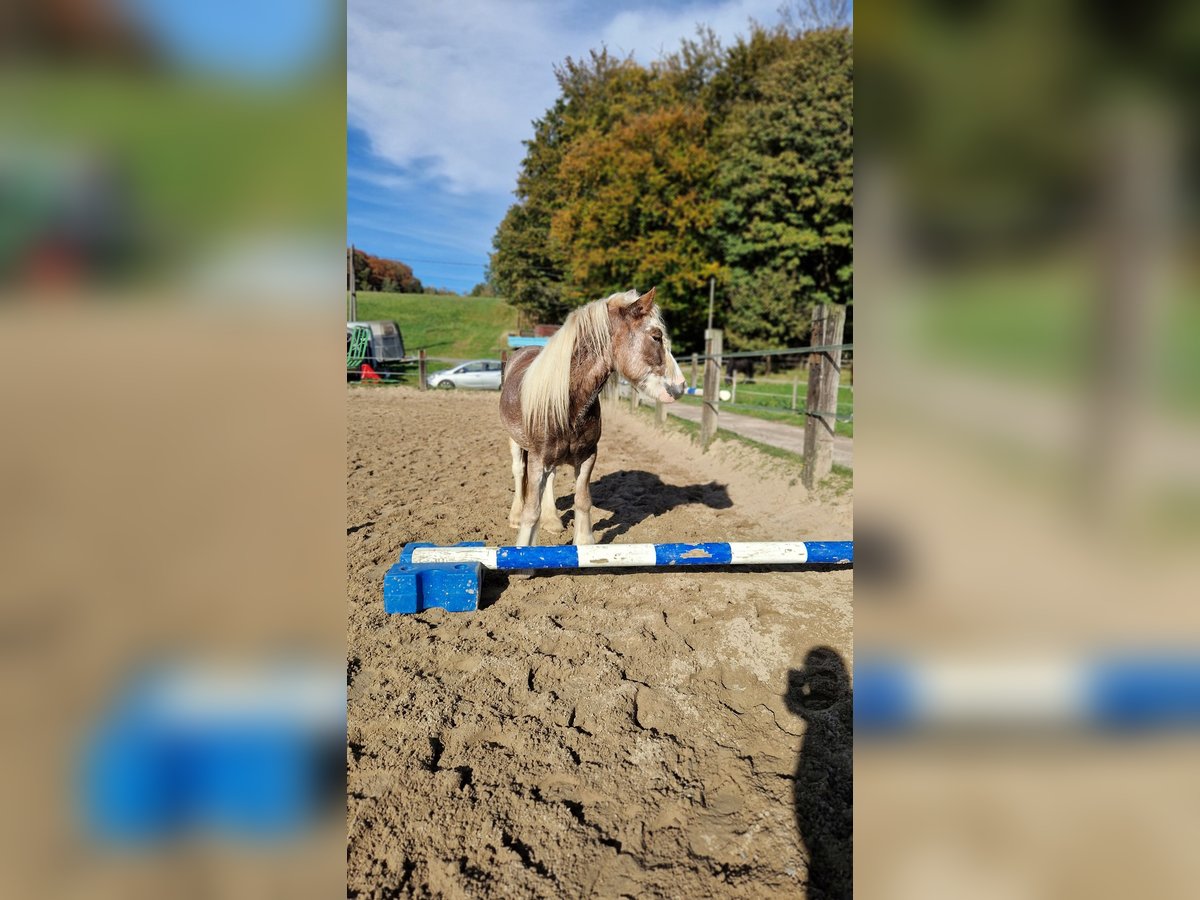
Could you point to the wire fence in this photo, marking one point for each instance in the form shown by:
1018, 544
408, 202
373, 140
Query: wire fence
757, 383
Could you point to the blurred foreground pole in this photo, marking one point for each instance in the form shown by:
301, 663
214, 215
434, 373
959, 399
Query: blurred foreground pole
823, 371
713, 338
1134, 230
421, 370
352, 303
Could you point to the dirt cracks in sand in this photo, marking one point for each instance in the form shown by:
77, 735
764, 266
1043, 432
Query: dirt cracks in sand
638, 733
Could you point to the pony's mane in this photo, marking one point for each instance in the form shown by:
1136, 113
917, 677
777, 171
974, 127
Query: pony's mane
546, 388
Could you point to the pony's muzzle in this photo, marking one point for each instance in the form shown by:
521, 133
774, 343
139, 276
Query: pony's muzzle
676, 390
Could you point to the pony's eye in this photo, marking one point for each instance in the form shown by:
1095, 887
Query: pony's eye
656, 337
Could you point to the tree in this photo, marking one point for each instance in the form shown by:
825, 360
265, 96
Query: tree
734, 164
526, 268
638, 212
373, 273
764, 311
787, 180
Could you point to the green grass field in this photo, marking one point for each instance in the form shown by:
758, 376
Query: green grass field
446, 327
200, 157
1037, 324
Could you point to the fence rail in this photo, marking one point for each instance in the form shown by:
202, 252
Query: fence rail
787, 351
820, 408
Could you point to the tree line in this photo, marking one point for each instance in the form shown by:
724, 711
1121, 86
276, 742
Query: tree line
732, 163
374, 273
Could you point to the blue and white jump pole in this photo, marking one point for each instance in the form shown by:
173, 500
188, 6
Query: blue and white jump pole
1106, 691
699, 392
450, 577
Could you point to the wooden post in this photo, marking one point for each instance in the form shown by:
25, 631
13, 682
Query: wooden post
1140, 155
633, 398
823, 371
695, 359
503, 365
712, 385
421, 370
795, 385
660, 414
733, 389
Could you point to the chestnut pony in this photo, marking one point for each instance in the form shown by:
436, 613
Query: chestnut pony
550, 402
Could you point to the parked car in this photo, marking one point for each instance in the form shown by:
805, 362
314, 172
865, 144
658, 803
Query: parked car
478, 373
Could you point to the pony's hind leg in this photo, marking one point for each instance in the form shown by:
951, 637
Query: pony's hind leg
583, 501
551, 521
535, 484
518, 470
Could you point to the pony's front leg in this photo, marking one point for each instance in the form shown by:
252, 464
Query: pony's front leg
536, 474
518, 470
583, 501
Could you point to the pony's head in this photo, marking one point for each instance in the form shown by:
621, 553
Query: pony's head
624, 331
641, 347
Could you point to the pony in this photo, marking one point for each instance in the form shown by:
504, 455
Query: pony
550, 401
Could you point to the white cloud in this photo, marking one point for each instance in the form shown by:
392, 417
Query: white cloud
452, 88
649, 32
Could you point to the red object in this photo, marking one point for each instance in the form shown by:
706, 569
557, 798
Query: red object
368, 374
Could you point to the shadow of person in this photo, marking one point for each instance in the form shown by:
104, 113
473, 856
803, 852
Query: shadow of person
633, 496
821, 694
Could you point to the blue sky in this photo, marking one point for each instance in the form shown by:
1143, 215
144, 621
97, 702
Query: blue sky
440, 96
252, 38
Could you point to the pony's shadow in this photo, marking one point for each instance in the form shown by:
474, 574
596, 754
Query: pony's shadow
821, 694
634, 496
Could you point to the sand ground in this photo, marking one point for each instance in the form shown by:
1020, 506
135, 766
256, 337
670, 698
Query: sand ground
616, 733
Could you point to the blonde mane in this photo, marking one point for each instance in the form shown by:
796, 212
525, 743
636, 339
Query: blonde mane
546, 389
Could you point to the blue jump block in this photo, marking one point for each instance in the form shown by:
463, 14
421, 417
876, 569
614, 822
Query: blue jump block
410, 587
179, 755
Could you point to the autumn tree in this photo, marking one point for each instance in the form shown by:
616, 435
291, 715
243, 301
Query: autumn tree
638, 212
374, 273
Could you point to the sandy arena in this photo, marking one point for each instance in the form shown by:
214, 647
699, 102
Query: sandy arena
604, 734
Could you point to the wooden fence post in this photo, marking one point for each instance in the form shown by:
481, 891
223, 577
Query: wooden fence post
695, 359
795, 385
633, 398
733, 389
820, 411
713, 338
421, 370
660, 413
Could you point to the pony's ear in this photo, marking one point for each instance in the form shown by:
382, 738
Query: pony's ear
642, 305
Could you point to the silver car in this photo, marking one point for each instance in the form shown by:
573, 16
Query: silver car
483, 374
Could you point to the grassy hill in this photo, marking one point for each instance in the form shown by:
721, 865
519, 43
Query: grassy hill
448, 327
